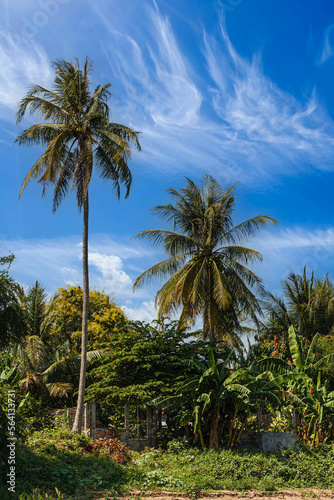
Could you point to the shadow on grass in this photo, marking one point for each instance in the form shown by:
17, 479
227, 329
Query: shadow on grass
71, 472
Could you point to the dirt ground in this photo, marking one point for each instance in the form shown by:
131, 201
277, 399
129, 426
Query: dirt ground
236, 495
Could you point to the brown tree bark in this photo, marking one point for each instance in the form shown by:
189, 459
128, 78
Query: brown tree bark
213, 440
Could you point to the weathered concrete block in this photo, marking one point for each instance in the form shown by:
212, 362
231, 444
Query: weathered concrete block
274, 441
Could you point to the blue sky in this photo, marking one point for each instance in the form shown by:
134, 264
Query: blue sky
240, 89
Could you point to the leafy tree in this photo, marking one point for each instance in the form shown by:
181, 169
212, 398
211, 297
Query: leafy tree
317, 413
11, 317
302, 362
218, 397
145, 362
104, 318
206, 395
76, 131
206, 264
325, 346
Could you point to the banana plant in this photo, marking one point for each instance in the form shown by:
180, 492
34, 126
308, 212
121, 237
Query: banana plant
203, 398
301, 362
313, 402
218, 393
318, 412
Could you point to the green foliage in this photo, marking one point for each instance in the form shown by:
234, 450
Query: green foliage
164, 437
218, 400
302, 378
46, 371
39, 495
206, 266
11, 317
325, 346
179, 444
37, 312
15, 428
144, 362
55, 460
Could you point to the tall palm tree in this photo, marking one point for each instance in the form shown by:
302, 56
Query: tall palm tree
206, 264
76, 132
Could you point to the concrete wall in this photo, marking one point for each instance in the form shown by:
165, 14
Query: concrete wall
141, 444
274, 441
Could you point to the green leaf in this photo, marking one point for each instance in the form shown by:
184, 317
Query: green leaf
296, 349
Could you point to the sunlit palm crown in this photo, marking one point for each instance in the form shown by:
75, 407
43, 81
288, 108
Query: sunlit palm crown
206, 264
77, 129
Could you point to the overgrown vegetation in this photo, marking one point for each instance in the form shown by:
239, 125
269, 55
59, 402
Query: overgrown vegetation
208, 388
76, 468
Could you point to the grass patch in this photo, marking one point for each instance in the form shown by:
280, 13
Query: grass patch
233, 470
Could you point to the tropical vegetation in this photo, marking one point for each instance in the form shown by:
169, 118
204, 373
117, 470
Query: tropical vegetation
79, 346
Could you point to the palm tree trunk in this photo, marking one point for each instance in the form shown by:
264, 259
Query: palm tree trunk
85, 285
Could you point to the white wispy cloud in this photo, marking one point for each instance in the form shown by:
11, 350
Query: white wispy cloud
22, 65
111, 268
226, 116
291, 250
327, 45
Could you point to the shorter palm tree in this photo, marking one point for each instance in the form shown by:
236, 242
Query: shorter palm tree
43, 369
307, 304
38, 311
206, 265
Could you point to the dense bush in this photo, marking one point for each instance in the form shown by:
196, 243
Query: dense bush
109, 448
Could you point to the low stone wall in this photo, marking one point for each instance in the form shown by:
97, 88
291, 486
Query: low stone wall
135, 444
102, 433
274, 441
141, 444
